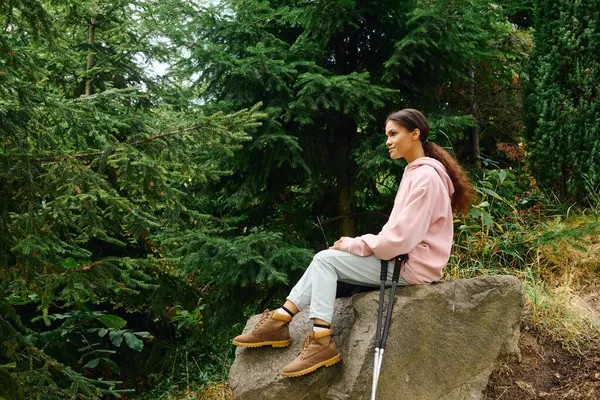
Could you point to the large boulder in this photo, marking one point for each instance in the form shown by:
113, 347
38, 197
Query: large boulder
445, 339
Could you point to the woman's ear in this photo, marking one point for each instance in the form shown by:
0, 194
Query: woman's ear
416, 133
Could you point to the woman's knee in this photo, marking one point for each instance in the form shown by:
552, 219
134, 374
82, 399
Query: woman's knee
324, 262
325, 254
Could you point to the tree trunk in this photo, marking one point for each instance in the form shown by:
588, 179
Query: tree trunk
347, 225
474, 149
346, 179
474, 145
90, 59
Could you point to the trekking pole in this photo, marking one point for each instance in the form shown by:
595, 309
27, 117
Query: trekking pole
377, 368
382, 277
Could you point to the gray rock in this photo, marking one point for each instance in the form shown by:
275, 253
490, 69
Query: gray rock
444, 341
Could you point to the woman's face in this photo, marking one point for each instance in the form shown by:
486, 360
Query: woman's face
400, 141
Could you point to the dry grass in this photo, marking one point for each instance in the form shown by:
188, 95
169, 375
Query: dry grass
556, 276
560, 313
555, 295
216, 391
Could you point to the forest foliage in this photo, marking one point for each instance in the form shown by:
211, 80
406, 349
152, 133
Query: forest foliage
145, 215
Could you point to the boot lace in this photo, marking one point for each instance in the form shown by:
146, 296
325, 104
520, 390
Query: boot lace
307, 341
262, 319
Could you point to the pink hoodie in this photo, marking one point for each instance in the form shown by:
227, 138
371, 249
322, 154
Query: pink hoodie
421, 224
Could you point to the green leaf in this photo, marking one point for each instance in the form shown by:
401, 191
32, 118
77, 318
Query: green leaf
92, 363
86, 348
116, 338
8, 366
492, 193
112, 365
502, 175
133, 342
475, 213
143, 334
48, 336
487, 219
112, 321
70, 263
31, 339
102, 332
34, 297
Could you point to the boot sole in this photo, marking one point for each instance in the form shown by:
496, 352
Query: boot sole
273, 343
326, 363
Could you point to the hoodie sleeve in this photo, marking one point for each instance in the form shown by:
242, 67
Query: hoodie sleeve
401, 235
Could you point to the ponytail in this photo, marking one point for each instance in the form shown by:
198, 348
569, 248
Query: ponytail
464, 193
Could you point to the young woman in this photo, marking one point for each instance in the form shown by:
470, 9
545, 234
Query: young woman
420, 225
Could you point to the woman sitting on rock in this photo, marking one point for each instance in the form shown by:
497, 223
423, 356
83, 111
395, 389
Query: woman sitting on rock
421, 225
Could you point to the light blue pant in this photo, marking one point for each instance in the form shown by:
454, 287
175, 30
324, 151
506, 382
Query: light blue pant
317, 286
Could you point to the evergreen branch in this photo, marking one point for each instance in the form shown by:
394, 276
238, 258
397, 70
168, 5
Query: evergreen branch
384, 215
114, 149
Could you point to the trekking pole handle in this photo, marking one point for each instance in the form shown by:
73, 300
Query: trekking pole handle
396, 275
384, 269
401, 259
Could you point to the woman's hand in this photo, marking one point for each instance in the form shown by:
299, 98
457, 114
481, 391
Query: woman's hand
338, 244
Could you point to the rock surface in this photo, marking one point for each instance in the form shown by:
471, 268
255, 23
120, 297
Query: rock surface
444, 341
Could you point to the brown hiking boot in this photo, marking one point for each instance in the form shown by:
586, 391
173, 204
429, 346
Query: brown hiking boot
318, 351
271, 330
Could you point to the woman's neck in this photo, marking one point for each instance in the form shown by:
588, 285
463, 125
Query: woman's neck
413, 155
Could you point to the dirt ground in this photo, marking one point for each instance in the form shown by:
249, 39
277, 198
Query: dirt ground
548, 372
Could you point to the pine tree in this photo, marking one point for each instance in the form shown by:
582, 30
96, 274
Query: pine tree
563, 103
468, 56
328, 73
133, 205
98, 199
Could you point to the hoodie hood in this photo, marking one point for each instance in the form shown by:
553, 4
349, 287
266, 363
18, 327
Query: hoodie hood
439, 168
